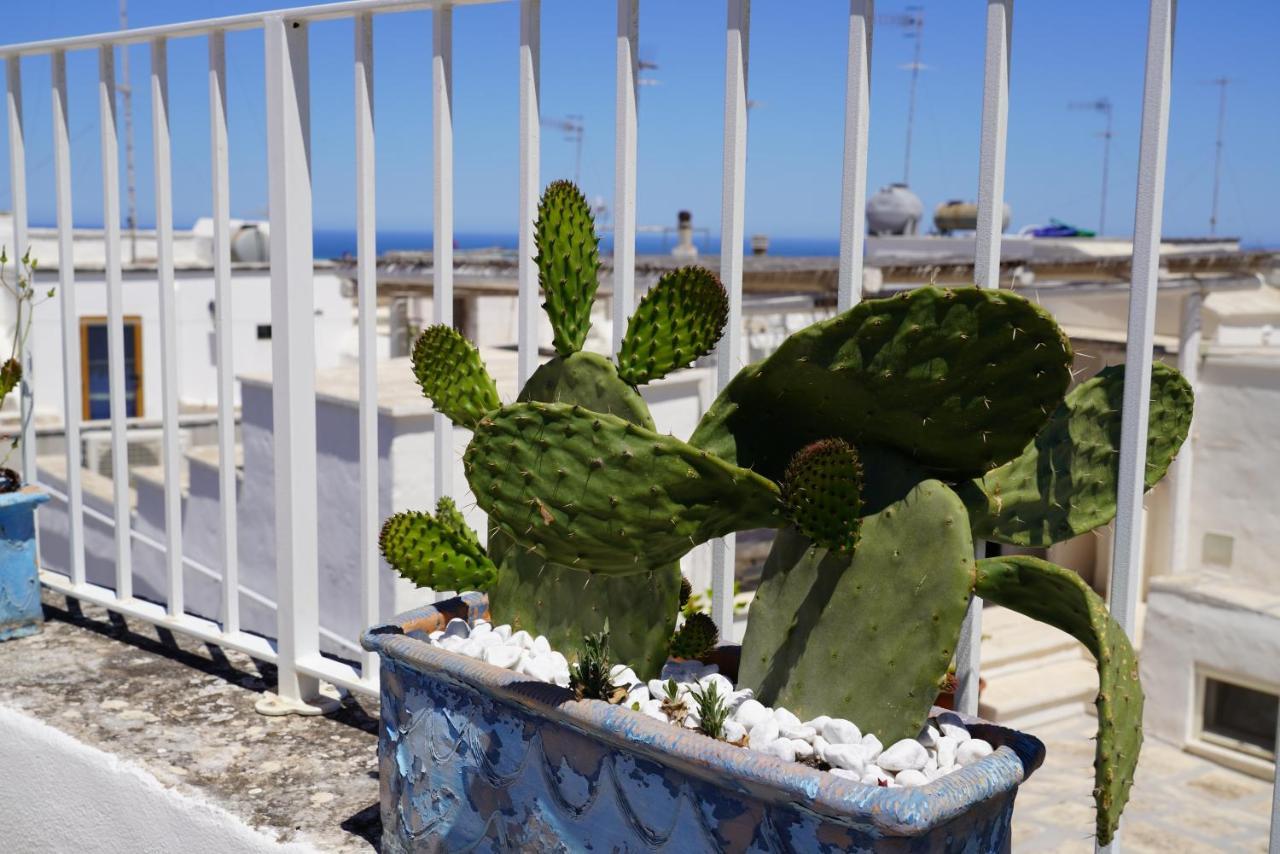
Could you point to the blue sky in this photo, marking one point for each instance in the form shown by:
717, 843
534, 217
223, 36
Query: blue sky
1062, 52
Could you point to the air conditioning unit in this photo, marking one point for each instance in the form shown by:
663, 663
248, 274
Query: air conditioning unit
146, 448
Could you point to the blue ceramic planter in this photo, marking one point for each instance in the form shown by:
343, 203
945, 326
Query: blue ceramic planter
477, 758
20, 612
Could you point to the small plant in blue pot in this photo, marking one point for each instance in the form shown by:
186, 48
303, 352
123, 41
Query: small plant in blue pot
20, 612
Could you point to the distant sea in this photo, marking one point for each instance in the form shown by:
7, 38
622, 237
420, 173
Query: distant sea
336, 243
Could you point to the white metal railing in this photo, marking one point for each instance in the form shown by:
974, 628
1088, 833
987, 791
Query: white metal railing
285, 45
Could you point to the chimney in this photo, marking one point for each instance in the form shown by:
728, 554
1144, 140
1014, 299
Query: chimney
759, 244
684, 247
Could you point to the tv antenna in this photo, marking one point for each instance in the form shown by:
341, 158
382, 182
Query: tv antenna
1221, 83
912, 20
573, 129
1104, 106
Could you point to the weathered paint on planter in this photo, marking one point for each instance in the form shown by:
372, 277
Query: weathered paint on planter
20, 612
474, 757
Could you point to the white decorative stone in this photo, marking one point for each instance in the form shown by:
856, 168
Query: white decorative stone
623, 676
638, 694
764, 732
904, 755
946, 750
928, 737
971, 751
910, 778
436, 635
799, 732
802, 749
780, 748
734, 731
457, 628
818, 723
724, 687
653, 709
471, 647
872, 746
480, 629
955, 731
820, 745
850, 756
847, 775
737, 698
539, 667
785, 718
750, 713
841, 731
874, 775
501, 655
452, 643
521, 639
488, 639
504, 632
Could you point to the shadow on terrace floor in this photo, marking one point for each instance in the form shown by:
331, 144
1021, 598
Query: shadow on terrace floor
184, 711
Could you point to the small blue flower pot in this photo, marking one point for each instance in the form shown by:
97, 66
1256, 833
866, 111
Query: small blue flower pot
477, 758
20, 612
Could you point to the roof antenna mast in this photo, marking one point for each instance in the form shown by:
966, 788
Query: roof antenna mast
1221, 83
913, 22
1102, 105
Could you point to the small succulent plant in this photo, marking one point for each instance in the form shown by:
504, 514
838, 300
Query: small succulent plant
673, 705
697, 637
590, 675
712, 711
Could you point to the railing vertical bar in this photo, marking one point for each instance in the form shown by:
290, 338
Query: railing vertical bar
367, 298
292, 352
995, 123
70, 320
218, 147
624, 193
1274, 846
115, 319
857, 115
162, 162
442, 227
18, 201
1126, 559
530, 116
732, 227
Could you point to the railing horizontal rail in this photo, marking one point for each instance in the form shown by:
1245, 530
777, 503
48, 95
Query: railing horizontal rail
230, 23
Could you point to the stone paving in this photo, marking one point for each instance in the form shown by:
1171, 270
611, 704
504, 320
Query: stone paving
185, 713
1181, 804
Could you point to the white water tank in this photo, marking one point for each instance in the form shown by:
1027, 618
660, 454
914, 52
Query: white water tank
894, 210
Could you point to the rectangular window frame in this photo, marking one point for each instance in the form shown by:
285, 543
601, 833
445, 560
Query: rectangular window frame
1221, 741
132, 325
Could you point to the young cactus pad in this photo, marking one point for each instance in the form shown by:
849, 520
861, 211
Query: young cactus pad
592, 491
960, 379
680, 319
568, 263
1064, 483
1060, 598
823, 493
440, 552
452, 375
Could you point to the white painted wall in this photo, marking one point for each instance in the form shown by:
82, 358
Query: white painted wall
1236, 463
59, 794
197, 378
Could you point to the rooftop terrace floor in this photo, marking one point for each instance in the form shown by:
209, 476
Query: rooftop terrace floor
184, 713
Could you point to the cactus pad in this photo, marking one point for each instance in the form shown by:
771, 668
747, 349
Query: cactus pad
433, 554
1064, 482
1060, 598
589, 380
960, 379
868, 635
822, 491
597, 493
568, 263
696, 637
679, 320
566, 604
452, 375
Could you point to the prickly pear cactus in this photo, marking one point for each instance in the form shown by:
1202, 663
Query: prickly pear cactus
677, 326
594, 492
960, 379
865, 636
453, 376
434, 551
696, 637
822, 492
568, 263
679, 319
1064, 482
1060, 598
